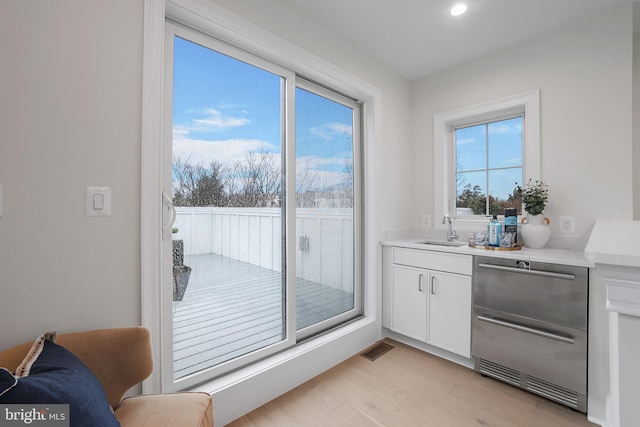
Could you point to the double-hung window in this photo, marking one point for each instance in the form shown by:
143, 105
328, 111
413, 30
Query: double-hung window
262, 168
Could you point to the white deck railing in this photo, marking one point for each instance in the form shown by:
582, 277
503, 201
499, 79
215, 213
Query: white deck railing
324, 240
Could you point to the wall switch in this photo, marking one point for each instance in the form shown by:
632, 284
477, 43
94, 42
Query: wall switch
568, 224
426, 220
97, 201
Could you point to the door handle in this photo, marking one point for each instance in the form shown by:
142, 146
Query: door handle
433, 285
168, 217
420, 277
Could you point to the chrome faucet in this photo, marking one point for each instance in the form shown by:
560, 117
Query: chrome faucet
451, 233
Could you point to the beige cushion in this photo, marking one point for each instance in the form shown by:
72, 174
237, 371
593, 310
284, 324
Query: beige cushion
177, 409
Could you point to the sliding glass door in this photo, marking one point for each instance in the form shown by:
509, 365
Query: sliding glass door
261, 172
327, 131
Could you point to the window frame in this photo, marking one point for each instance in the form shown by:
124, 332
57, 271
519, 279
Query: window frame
526, 104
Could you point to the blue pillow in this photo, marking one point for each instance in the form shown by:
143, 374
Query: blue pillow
57, 376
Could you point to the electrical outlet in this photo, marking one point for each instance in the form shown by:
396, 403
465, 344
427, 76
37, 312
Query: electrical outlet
426, 220
567, 224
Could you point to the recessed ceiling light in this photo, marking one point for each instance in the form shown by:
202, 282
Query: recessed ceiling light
458, 9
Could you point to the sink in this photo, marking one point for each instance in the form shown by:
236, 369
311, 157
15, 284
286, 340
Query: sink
442, 243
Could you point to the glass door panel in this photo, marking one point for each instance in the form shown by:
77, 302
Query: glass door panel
227, 187
325, 273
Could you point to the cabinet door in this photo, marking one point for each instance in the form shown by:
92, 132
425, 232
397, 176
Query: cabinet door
450, 312
409, 315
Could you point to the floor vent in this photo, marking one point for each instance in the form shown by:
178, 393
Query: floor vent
500, 372
376, 351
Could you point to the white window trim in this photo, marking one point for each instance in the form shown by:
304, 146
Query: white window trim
317, 354
443, 124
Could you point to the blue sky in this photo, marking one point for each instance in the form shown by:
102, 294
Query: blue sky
224, 109
504, 151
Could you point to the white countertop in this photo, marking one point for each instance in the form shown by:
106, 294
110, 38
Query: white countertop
550, 255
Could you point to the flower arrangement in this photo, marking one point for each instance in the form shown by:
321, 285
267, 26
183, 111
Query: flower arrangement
534, 196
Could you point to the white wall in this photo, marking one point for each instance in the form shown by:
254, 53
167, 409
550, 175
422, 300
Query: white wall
584, 74
70, 93
394, 168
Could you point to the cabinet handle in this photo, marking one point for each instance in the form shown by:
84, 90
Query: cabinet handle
433, 285
420, 277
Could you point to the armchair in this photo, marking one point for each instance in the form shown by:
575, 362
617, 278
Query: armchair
121, 358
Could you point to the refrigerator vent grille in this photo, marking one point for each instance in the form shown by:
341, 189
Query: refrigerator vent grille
500, 372
527, 382
552, 391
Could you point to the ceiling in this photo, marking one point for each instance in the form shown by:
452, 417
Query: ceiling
420, 37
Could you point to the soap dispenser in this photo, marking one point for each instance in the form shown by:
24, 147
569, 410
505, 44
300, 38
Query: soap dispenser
494, 232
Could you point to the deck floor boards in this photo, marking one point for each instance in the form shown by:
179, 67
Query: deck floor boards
232, 307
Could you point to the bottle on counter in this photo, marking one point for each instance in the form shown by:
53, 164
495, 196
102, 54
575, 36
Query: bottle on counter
494, 232
511, 223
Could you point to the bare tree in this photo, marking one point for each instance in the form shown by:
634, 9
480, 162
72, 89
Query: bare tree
259, 179
305, 181
229, 183
347, 185
196, 185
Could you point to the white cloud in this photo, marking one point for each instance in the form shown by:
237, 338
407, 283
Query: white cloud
223, 151
180, 132
341, 128
216, 120
329, 130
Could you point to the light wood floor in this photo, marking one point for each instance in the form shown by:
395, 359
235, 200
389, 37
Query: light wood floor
407, 387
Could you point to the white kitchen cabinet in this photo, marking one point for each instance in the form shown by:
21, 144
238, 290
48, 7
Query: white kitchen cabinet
449, 312
430, 298
410, 301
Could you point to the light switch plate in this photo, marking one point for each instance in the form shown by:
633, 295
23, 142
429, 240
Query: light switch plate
97, 201
426, 220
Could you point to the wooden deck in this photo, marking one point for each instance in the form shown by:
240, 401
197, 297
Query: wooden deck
231, 308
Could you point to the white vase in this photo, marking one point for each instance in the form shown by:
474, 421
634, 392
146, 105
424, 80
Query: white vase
535, 231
